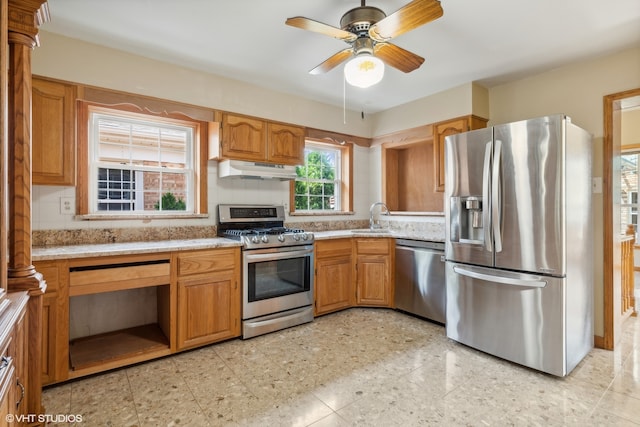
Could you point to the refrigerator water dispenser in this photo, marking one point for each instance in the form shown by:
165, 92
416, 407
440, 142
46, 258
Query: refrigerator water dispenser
466, 220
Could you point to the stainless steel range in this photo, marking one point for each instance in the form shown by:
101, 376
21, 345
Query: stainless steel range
277, 267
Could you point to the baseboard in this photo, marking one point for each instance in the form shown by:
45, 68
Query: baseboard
598, 341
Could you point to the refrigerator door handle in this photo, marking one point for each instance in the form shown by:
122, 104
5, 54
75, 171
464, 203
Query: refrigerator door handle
529, 283
496, 203
486, 209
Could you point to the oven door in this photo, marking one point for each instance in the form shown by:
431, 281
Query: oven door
277, 279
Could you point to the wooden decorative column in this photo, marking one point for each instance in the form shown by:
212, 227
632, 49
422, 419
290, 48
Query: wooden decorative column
25, 18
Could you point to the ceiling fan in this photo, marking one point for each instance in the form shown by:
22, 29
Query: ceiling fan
368, 30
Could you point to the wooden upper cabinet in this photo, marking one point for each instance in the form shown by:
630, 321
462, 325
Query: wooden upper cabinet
53, 133
286, 144
252, 139
243, 138
441, 131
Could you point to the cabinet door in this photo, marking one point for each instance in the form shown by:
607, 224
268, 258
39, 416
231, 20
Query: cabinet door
243, 138
441, 131
55, 322
18, 351
208, 309
373, 280
53, 133
49, 314
333, 285
286, 144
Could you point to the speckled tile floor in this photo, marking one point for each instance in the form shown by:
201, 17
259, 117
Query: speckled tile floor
370, 367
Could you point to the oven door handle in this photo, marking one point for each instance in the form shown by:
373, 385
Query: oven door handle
274, 256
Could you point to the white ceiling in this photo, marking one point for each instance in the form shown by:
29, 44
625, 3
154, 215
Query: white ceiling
486, 41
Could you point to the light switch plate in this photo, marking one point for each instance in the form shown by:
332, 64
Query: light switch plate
67, 205
596, 185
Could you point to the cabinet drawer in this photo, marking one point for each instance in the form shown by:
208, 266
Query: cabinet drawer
116, 277
207, 261
333, 248
376, 246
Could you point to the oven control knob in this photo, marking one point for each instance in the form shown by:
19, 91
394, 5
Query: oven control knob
254, 239
281, 237
296, 237
304, 236
265, 239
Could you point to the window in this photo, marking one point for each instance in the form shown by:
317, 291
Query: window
629, 190
323, 183
141, 164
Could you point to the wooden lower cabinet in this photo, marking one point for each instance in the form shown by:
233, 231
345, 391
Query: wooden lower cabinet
374, 272
353, 272
55, 321
14, 381
333, 284
208, 296
196, 301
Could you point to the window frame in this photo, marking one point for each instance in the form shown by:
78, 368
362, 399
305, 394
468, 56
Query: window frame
629, 204
346, 179
199, 159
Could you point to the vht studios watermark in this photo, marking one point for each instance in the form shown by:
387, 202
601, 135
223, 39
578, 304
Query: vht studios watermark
43, 418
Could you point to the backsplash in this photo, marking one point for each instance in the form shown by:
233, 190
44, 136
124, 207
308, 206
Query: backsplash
119, 235
429, 228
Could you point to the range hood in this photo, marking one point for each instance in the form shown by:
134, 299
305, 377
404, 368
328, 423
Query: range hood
255, 170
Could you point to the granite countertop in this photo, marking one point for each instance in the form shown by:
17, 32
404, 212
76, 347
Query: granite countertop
106, 249
338, 234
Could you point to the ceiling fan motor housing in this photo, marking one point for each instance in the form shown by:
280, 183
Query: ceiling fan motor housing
359, 19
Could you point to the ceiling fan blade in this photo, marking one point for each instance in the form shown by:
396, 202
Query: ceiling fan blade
333, 61
319, 27
398, 57
411, 16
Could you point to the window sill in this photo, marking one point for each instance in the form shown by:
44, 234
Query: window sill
111, 217
321, 213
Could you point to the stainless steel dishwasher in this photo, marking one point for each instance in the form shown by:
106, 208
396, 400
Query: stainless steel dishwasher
420, 282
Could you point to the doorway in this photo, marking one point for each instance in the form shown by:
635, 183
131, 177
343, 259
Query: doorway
614, 106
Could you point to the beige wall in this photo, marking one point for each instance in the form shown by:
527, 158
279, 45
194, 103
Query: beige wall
576, 90
73, 60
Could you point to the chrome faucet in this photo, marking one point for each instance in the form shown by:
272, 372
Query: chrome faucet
373, 225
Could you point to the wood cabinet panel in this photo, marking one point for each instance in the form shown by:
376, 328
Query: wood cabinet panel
53, 133
207, 261
334, 276
14, 364
374, 278
243, 138
441, 131
285, 144
209, 297
55, 321
208, 310
253, 139
373, 246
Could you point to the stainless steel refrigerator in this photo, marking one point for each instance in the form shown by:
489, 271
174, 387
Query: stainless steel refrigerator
518, 242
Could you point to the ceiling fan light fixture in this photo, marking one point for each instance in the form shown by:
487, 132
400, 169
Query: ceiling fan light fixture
364, 70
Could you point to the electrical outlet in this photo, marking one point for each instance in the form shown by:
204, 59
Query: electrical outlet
67, 205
